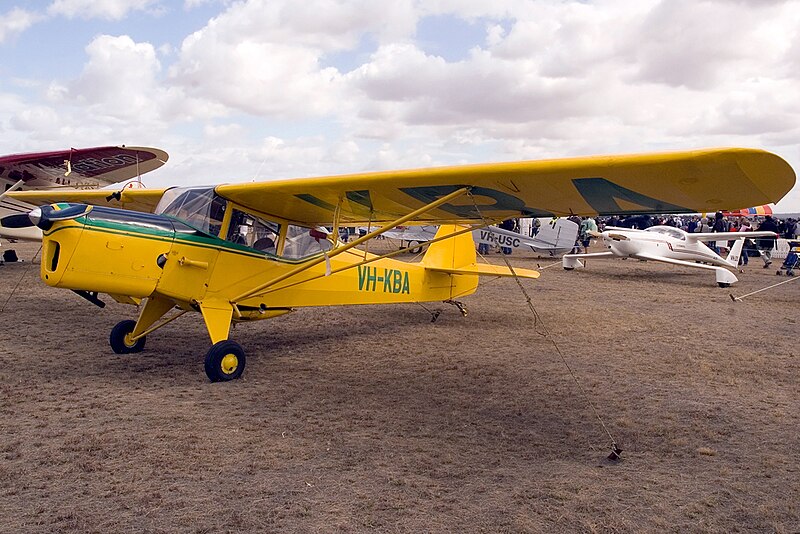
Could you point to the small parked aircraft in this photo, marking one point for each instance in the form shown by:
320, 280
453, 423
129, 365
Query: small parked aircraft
670, 245
554, 238
84, 168
250, 251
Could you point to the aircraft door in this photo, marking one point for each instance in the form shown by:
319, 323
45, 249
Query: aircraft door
187, 268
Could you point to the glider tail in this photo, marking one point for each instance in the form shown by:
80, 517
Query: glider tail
735, 253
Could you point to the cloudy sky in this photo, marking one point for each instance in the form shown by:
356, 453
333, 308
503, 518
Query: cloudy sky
260, 89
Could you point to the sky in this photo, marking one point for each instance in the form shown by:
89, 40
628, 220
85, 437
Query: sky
260, 89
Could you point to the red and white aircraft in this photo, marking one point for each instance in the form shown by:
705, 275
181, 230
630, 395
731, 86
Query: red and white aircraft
84, 168
670, 245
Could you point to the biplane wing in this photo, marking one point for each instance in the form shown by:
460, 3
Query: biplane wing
72, 173
676, 182
83, 168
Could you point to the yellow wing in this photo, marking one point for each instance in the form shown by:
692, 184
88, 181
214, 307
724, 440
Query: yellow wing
678, 182
131, 199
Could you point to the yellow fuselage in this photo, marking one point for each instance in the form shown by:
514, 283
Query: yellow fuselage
132, 262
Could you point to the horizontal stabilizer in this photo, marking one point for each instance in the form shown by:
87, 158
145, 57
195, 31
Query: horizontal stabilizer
484, 269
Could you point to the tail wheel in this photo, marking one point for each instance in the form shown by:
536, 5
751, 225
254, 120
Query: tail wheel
120, 338
225, 361
724, 284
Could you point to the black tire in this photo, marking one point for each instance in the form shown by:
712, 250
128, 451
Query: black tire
119, 338
724, 284
225, 361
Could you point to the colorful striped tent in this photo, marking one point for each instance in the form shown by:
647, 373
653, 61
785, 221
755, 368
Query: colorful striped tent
749, 212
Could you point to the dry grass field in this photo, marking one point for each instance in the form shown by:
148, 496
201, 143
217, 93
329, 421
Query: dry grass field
376, 419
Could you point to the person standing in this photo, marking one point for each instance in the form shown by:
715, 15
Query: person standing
588, 226
766, 244
747, 246
720, 225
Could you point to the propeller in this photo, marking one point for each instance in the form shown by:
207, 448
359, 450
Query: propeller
45, 216
20, 220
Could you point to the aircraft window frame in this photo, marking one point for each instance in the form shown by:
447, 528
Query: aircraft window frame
198, 207
254, 231
303, 242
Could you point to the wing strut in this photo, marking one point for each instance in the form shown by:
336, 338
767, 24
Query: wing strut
335, 252
616, 451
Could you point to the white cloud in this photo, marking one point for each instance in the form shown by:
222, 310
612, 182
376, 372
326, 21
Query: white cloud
15, 22
254, 86
102, 9
119, 78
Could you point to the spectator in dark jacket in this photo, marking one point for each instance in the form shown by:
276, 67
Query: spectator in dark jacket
766, 244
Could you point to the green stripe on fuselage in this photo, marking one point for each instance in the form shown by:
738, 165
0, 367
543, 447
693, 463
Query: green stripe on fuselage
202, 241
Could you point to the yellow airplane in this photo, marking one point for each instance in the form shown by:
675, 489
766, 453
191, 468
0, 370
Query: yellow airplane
244, 252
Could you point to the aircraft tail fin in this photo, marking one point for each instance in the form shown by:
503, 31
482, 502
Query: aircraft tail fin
556, 237
736, 252
456, 255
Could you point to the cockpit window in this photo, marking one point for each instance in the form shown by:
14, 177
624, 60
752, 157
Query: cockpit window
254, 232
199, 207
667, 230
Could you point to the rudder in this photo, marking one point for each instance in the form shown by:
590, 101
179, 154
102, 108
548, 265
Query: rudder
452, 253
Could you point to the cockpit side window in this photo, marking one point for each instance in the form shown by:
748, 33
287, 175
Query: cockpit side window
254, 232
302, 242
200, 207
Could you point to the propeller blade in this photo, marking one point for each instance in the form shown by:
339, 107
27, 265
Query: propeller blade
45, 216
16, 221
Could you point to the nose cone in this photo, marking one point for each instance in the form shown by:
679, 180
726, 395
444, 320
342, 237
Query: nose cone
35, 216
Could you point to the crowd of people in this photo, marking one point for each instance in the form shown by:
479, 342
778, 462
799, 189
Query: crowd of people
788, 228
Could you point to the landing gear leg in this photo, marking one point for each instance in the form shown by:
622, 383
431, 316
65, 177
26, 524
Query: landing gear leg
225, 360
127, 336
459, 305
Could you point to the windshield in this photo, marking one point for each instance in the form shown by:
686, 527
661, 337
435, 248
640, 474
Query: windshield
199, 207
667, 230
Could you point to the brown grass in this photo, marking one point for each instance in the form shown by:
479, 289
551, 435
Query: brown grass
375, 419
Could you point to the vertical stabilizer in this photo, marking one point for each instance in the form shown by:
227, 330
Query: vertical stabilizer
453, 253
735, 253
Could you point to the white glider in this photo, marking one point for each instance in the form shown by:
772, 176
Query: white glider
670, 245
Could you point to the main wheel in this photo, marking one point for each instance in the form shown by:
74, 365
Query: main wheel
724, 284
225, 361
120, 338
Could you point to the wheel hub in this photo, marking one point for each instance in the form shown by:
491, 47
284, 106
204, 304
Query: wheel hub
229, 364
129, 341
